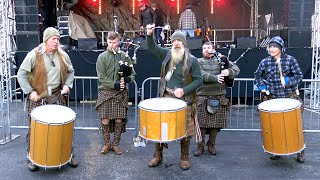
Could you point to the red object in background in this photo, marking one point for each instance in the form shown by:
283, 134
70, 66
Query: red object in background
171, 3
219, 2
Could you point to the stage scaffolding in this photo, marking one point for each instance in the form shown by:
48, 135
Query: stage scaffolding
315, 74
7, 49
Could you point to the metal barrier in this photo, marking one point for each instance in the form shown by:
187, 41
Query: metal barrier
244, 98
243, 114
84, 107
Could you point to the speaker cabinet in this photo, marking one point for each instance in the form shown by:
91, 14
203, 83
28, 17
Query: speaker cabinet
87, 43
194, 43
246, 42
142, 42
27, 40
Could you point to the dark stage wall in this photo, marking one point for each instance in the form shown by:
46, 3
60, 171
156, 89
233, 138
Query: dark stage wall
149, 66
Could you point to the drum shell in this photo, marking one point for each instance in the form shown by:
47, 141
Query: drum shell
50, 143
282, 132
162, 125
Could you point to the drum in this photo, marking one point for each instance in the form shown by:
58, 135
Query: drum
51, 135
162, 119
281, 124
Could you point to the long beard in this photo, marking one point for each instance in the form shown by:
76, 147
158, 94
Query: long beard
177, 55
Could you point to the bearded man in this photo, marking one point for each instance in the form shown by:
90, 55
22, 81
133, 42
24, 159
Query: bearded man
180, 78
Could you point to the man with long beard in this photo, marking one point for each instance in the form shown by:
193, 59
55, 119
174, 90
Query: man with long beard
180, 78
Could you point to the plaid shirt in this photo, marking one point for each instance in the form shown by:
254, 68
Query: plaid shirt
187, 20
268, 74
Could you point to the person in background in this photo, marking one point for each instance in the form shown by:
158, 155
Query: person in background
122, 36
187, 22
212, 105
278, 76
180, 78
46, 75
114, 71
147, 16
158, 23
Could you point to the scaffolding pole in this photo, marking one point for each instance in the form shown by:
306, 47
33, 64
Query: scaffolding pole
6, 50
315, 72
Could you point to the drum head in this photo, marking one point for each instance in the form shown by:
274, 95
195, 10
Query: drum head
53, 114
279, 105
162, 104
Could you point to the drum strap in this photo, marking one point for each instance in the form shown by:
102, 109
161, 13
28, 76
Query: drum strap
281, 76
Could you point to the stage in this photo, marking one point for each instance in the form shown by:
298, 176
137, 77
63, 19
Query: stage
84, 62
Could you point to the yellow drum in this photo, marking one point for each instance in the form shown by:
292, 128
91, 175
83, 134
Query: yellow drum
51, 135
281, 125
162, 119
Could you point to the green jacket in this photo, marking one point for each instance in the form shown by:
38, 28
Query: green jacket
189, 80
108, 67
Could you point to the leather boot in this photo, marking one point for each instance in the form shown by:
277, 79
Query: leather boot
157, 156
200, 149
185, 143
31, 166
300, 157
212, 140
73, 162
117, 138
106, 138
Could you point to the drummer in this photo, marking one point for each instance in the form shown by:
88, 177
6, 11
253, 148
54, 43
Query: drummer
278, 76
46, 76
180, 78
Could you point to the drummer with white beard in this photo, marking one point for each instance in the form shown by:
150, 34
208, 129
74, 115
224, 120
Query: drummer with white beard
278, 76
180, 78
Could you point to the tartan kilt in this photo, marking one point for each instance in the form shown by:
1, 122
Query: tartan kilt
111, 105
191, 111
207, 120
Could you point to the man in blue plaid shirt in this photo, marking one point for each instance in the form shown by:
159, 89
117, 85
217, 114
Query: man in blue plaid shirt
274, 83
267, 75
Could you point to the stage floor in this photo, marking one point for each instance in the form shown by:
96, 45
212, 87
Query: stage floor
239, 156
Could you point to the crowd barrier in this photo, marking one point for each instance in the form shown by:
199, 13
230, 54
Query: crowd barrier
243, 114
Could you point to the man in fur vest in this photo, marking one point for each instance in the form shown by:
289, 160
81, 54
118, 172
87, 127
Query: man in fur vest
46, 75
212, 105
180, 78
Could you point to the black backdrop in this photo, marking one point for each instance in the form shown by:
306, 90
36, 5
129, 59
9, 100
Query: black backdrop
149, 66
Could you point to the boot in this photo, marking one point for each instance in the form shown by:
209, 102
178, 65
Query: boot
212, 140
117, 138
106, 138
157, 156
31, 166
184, 163
73, 162
200, 149
300, 157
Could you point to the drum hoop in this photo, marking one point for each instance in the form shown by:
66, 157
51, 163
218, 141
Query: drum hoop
58, 166
161, 141
171, 110
56, 124
287, 110
277, 154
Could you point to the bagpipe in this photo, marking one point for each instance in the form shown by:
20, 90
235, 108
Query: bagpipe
126, 68
224, 64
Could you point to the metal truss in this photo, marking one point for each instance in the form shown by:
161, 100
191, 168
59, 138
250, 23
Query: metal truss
7, 48
315, 72
254, 4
